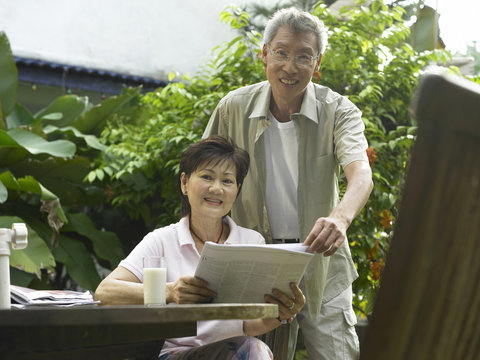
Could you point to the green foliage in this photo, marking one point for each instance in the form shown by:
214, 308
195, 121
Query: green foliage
474, 52
35, 255
43, 161
369, 61
8, 85
142, 158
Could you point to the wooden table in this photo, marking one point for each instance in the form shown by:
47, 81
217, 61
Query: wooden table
109, 332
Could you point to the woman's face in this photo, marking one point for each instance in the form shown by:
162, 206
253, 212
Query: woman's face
211, 189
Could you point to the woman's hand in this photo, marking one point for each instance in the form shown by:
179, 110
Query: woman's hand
288, 307
189, 290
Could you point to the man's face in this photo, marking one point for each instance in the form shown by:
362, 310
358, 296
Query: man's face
289, 79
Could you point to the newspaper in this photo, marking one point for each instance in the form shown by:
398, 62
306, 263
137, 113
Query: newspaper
24, 296
241, 273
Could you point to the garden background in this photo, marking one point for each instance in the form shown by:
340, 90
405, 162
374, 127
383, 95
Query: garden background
91, 180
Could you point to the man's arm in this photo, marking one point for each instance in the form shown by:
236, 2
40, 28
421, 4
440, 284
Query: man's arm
328, 233
213, 125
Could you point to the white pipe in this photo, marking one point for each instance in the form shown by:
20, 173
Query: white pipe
18, 237
4, 282
5, 236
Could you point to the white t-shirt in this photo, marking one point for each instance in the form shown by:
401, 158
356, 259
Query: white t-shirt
176, 244
281, 151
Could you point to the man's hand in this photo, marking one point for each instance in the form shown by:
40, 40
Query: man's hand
326, 236
330, 232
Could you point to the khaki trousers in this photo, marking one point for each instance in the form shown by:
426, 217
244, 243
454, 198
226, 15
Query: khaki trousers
332, 335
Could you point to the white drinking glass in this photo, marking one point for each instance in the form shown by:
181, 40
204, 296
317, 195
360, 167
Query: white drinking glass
154, 280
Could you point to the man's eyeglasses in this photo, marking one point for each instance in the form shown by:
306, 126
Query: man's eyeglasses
282, 56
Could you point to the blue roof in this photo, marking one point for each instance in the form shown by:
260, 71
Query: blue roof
78, 77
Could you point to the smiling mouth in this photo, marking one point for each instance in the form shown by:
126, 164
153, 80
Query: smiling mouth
213, 201
288, 82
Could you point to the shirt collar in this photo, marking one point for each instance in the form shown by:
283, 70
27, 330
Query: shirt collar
234, 235
308, 109
262, 105
185, 237
309, 104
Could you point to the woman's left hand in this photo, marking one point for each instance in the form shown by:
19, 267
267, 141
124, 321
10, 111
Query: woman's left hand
288, 307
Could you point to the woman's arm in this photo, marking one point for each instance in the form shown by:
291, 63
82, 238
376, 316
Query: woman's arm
122, 287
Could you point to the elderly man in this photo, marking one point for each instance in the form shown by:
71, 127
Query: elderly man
298, 135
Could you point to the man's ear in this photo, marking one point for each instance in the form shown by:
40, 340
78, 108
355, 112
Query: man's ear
317, 64
264, 53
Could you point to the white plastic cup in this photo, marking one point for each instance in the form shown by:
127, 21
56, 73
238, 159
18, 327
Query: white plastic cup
154, 280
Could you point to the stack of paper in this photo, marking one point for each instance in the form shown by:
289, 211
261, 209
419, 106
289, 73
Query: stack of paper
26, 296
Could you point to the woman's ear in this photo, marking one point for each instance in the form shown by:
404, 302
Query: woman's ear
183, 183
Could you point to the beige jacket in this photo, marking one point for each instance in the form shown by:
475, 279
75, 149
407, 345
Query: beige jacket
330, 134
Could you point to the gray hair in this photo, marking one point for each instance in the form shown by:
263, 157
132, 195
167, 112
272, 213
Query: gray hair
299, 21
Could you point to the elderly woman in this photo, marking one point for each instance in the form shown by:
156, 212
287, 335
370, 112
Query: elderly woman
210, 178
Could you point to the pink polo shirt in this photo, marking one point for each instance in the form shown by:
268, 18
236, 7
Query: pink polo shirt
176, 244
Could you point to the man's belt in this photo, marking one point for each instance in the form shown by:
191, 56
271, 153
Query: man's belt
285, 241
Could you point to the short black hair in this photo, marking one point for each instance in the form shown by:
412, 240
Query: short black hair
214, 150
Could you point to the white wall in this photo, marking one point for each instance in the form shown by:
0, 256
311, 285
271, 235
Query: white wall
137, 37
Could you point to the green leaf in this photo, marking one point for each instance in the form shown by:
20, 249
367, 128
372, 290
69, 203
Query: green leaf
3, 193
91, 176
46, 195
108, 170
100, 174
34, 220
70, 170
20, 278
9, 181
38, 145
79, 263
52, 116
106, 244
94, 119
19, 116
2, 123
7, 141
8, 76
30, 185
90, 140
35, 256
64, 110
63, 175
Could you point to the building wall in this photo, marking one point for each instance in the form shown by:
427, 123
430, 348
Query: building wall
148, 38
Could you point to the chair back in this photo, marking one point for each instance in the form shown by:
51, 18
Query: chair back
428, 304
